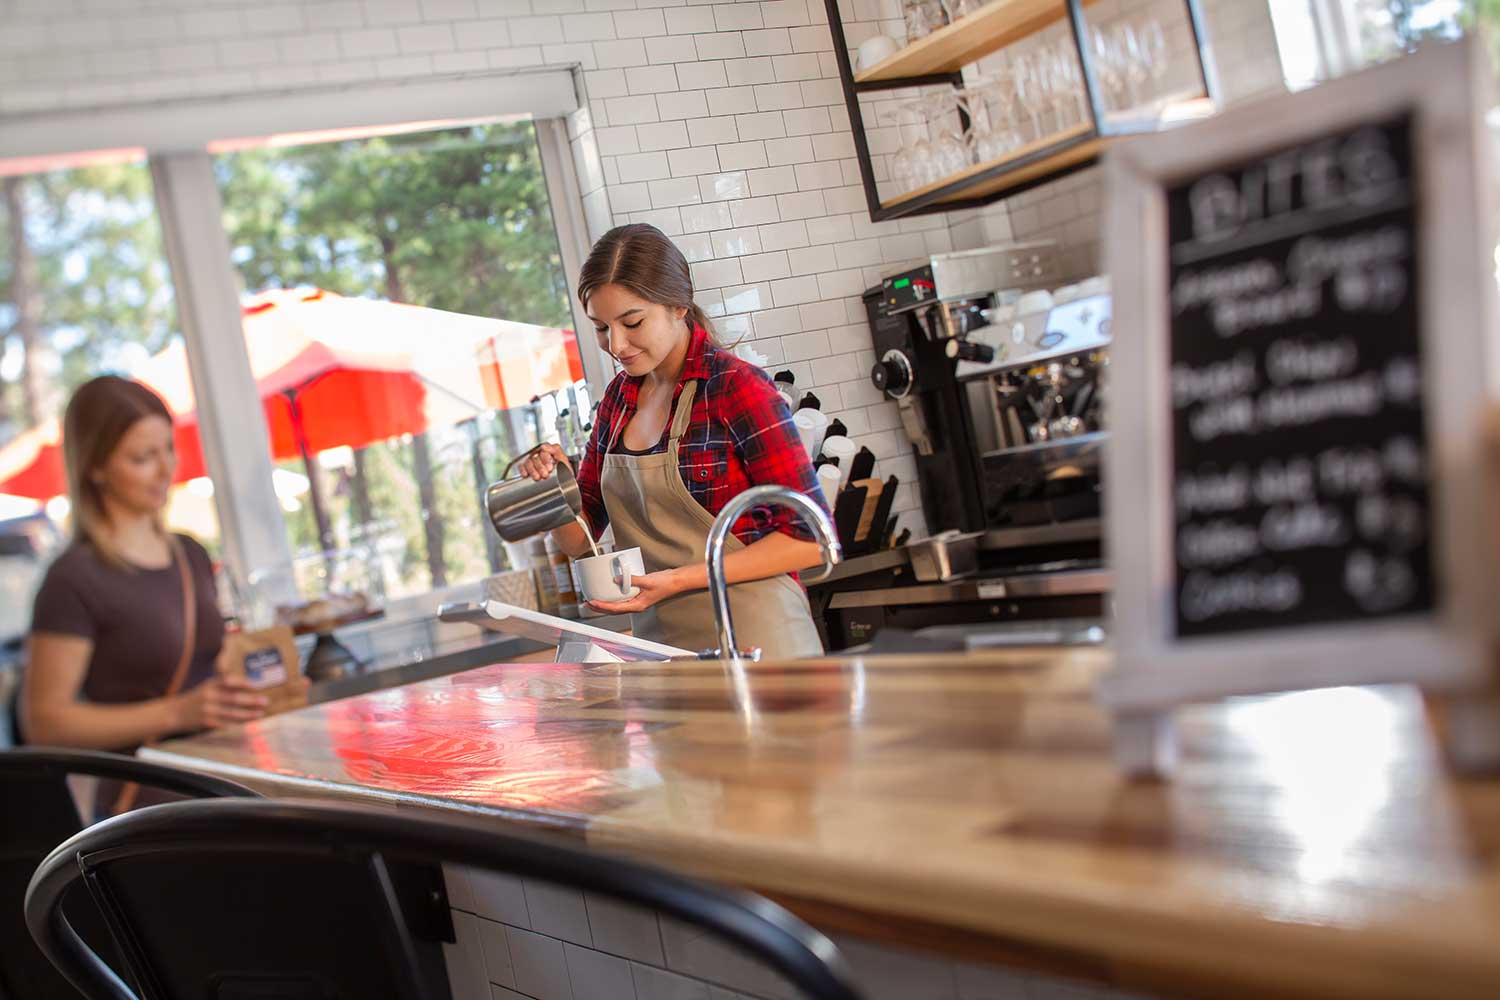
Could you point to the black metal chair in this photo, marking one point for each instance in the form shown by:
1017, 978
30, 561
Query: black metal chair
247, 899
37, 813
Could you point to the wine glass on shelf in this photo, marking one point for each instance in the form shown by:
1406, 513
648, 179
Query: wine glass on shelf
989, 120
1030, 93
1107, 68
1137, 69
949, 150
903, 162
1154, 48
1073, 96
1055, 66
924, 167
922, 18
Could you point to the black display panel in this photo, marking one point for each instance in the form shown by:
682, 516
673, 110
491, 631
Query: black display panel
1299, 445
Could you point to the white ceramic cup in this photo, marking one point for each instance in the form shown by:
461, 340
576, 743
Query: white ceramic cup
873, 50
607, 577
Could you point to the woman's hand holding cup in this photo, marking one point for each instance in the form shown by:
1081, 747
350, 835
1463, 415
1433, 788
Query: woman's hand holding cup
540, 463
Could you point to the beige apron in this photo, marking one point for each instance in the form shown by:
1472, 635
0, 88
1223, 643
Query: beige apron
649, 506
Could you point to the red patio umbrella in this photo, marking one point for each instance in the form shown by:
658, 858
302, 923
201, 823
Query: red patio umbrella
332, 371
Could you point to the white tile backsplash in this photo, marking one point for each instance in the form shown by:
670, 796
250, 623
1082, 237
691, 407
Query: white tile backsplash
494, 941
720, 45
651, 79
625, 930
743, 155
725, 187
704, 131
557, 912
694, 160
771, 42
658, 984
540, 965
747, 72
761, 125
594, 975
464, 959
793, 149
460, 891
702, 75
499, 897
682, 104
753, 211
736, 242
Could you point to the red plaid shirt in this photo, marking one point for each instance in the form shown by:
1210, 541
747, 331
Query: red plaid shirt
740, 434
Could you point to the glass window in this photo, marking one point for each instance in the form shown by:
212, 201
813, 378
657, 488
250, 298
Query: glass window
84, 289
1322, 39
407, 319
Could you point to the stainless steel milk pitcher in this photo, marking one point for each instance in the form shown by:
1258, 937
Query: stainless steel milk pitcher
521, 508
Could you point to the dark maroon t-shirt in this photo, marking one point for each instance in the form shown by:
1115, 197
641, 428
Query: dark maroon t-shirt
134, 619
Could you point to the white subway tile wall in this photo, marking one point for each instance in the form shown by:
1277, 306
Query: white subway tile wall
624, 952
721, 123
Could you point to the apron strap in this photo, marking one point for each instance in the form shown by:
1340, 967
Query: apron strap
683, 413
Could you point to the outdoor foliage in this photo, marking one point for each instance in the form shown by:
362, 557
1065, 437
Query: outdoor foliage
455, 219
96, 294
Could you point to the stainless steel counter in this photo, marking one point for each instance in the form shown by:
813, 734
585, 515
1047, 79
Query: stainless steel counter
1053, 584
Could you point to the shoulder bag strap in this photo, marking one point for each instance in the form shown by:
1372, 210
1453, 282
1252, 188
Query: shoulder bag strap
128, 794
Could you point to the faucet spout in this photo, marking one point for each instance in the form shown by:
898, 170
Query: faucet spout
761, 496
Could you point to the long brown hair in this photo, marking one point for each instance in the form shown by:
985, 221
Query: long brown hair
101, 411
641, 258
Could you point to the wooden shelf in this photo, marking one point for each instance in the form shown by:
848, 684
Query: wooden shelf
954, 46
972, 183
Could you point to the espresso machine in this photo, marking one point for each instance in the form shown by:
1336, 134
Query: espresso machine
998, 385
921, 321
1001, 379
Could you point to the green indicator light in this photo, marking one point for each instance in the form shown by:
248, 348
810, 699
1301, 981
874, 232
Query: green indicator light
901, 283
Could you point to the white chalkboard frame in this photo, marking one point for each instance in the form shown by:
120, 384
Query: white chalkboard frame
1443, 87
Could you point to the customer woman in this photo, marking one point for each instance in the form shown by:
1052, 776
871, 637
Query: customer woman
681, 431
125, 629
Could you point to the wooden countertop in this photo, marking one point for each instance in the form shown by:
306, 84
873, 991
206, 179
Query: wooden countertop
1312, 844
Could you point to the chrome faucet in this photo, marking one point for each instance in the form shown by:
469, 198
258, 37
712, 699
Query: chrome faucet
761, 496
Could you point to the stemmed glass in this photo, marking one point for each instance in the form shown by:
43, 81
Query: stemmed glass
1107, 67
1070, 85
903, 164
922, 18
1154, 49
924, 164
1031, 91
992, 131
950, 154
1137, 70
1127, 57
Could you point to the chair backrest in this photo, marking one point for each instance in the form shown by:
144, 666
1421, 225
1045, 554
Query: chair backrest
37, 813
243, 899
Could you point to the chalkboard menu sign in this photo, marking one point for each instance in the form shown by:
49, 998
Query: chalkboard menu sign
1299, 448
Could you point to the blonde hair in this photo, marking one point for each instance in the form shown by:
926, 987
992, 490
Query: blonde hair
100, 413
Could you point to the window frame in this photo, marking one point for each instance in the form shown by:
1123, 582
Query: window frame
177, 136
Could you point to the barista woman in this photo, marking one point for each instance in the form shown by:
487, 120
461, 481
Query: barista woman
681, 431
